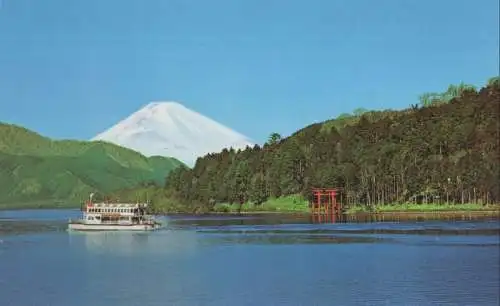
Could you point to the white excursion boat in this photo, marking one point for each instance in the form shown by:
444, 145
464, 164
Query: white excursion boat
113, 216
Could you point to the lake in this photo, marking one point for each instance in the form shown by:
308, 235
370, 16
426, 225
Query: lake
251, 260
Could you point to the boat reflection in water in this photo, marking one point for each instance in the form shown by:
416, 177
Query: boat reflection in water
135, 243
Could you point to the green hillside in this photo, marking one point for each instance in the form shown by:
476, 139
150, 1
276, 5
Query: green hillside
38, 171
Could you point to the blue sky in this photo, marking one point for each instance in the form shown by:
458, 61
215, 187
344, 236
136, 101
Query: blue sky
70, 69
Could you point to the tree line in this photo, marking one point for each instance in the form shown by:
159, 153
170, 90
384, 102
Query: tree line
444, 150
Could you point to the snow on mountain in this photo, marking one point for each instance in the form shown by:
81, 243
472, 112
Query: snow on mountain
171, 129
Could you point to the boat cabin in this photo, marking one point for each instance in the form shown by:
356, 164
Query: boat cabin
97, 213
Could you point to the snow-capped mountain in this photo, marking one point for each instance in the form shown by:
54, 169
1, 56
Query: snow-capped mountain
171, 129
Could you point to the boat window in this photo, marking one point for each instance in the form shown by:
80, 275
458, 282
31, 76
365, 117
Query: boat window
98, 217
90, 218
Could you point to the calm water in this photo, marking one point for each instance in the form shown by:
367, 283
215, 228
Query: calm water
248, 261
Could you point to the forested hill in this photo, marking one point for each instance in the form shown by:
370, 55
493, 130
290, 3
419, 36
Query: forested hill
443, 149
37, 171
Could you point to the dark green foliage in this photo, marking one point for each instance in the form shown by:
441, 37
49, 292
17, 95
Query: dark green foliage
446, 152
494, 81
36, 169
274, 138
453, 91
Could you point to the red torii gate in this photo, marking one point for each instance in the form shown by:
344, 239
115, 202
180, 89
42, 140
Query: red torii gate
329, 206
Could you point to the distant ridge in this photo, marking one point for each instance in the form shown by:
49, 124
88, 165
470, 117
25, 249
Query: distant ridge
173, 130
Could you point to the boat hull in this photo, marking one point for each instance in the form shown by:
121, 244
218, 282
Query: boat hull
111, 227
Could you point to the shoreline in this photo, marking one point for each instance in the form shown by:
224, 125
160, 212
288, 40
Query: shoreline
38, 208
401, 213
424, 214
490, 212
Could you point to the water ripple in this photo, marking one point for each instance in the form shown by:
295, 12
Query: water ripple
291, 239
16, 227
423, 231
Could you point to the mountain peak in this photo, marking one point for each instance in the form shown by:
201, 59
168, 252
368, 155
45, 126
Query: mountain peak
168, 128
164, 105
